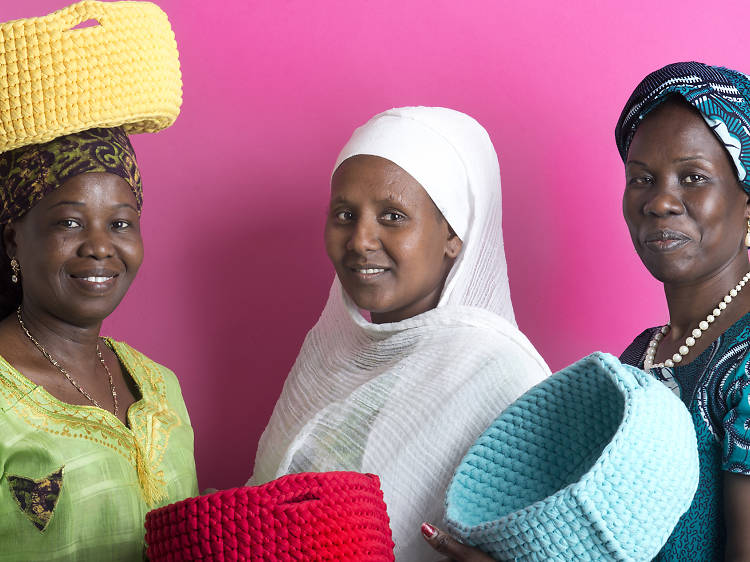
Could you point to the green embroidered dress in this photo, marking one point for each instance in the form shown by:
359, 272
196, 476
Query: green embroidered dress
75, 483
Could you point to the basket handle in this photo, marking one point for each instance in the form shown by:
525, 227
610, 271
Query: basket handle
91, 22
298, 497
93, 14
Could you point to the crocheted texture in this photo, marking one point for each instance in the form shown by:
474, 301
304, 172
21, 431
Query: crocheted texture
56, 80
307, 516
598, 462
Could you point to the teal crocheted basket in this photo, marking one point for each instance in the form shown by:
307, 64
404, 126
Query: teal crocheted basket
597, 462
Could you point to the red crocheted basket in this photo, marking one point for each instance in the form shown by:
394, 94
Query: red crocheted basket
309, 516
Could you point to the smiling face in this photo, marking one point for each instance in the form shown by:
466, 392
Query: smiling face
79, 248
683, 205
390, 246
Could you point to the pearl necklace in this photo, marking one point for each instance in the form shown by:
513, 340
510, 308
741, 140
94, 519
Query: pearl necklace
648, 362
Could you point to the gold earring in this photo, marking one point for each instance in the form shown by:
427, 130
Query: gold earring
17, 268
747, 236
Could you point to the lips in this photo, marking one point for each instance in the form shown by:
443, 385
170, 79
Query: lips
95, 274
666, 240
95, 280
367, 271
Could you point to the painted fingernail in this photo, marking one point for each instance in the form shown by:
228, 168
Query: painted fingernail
428, 530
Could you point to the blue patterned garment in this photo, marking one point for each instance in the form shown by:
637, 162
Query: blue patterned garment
721, 95
715, 387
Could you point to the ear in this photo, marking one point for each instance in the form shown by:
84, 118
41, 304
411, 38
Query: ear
9, 239
747, 204
453, 244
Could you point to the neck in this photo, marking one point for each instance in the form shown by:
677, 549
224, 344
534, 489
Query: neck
68, 343
690, 303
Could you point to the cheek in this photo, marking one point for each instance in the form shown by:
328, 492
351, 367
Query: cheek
630, 206
422, 248
133, 254
403, 245
720, 220
334, 242
137, 259
46, 257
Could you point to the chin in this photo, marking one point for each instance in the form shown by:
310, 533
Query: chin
365, 300
671, 274
89, 313
370, 305
668, 268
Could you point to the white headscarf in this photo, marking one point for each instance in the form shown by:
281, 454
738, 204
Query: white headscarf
405, 400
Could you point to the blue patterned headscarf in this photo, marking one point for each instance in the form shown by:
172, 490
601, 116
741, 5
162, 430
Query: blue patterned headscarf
721, 95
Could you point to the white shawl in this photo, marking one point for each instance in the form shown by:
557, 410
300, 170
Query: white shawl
405, 400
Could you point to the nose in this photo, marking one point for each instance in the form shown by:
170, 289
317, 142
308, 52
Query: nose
97, 244
662, 200
364, 237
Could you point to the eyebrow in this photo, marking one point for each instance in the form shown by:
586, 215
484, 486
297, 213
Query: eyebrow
337, 199
62, 203
82, 204
390, 198
688, 158
685, 159
122, 205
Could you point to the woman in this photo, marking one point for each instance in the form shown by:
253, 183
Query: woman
685, 139
684, 136
414, 234
93, 434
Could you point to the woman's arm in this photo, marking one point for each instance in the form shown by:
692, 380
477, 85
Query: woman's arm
737, 517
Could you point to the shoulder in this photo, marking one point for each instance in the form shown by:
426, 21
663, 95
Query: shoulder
152, 378
733, 354
478, 331
158, 384
633, 354
134, 359
13, 385
484, 339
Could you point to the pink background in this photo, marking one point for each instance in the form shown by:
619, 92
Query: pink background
236, 191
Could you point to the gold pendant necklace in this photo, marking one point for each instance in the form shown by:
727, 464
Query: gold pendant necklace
60, 368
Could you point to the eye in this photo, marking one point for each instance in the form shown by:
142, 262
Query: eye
393, 216
695, 178
69, 223
120, 224
343, 216
640, 180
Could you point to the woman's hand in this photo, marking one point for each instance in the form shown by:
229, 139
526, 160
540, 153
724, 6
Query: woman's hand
445, 544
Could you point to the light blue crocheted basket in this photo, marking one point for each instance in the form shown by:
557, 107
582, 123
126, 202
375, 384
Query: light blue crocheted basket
597, 462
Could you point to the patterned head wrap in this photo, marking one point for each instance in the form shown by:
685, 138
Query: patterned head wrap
29, 173
721, 95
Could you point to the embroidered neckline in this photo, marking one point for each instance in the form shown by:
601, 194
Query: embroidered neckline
59, 406
151, 420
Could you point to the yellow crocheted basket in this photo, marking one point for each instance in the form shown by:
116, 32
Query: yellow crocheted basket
57, 78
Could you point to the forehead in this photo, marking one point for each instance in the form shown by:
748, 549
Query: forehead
91, 192
93, 189
677, 130
372, 178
